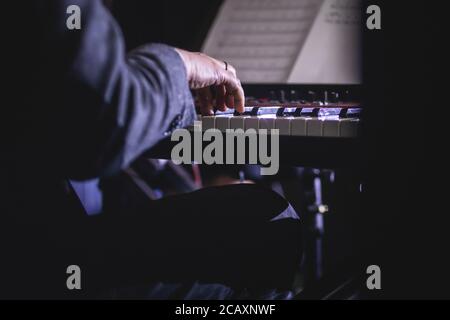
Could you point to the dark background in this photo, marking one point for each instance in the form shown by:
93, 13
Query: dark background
182, 24
406, 227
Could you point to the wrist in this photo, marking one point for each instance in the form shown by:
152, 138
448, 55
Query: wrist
184, 55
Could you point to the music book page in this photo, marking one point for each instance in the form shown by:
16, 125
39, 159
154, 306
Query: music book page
288, 41
332, 51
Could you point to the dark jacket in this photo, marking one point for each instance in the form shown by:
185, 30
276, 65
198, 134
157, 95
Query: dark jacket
78, 106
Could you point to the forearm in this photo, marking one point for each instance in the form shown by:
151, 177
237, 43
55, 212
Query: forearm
124, 103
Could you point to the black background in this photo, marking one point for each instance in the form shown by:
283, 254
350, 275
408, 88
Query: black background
183, 24
406, 228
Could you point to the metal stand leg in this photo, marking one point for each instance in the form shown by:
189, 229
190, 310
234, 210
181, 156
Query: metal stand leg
315, 229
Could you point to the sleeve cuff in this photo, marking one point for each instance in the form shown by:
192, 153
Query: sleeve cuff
176, 71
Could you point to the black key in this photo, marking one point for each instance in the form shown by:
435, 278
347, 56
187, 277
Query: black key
310, 112
259, 111
289, 112
220, 113
350, 113
247, 111
323, 112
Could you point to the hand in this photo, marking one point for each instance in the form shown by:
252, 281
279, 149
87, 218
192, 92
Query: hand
204, 72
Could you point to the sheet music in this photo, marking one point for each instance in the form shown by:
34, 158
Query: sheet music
271, 41
261, 38
332, 51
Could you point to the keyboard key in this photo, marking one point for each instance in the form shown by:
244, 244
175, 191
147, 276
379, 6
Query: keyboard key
349, 128
252, 123
299, 126
284, 125
223, 123
267, 121
238, 122
208, 122
331, 128
314, 127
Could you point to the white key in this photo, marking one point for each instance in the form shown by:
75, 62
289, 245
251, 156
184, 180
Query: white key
284, 125
267, 121
314, 127
223, 122
331, 128
349, 128
251, 123
238, 122
299, 126
208, 122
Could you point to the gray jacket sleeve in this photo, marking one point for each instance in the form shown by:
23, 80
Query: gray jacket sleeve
119, 104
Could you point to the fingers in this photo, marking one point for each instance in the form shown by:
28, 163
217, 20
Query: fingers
239, 98
229, 93
221, 98
230, 100
204, 72
235, 97
205, 101
235, 94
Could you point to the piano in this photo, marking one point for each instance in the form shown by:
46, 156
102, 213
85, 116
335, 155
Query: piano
319, 125
300, 65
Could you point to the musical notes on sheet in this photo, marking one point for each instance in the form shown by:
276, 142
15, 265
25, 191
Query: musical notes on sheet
264, 39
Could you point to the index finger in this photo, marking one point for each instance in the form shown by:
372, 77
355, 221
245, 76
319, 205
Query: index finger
239, 98
234, 88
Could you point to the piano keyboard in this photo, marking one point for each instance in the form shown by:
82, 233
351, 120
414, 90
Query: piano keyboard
319, 125
310, 121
